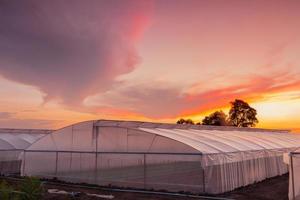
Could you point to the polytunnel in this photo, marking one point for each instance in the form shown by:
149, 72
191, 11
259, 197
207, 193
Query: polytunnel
173, 157
12, 144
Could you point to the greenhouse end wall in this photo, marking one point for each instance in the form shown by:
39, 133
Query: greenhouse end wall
171, 172
10, 162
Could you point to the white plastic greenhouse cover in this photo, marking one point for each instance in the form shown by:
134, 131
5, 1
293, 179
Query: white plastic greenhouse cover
12, 139
203, 139
294, 180
12, 144
213, 159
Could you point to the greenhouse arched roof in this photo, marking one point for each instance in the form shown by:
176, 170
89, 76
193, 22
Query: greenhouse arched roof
203, 139
11, 139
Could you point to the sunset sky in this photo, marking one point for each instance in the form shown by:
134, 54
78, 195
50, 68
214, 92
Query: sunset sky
67, 61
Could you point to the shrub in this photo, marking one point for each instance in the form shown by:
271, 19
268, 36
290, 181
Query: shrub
31, 189
7, 192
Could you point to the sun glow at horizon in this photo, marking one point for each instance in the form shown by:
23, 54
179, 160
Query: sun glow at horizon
275, 111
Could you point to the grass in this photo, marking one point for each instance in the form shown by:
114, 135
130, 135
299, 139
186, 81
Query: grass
31, 189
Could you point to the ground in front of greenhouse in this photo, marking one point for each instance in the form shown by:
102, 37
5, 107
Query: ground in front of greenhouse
270, 189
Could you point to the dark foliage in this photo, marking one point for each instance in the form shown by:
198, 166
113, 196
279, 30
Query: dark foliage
31, 188
217, 118
242, 115
185, 121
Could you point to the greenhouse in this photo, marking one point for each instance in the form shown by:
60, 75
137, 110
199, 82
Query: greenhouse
172, 157
294, 180
12, 144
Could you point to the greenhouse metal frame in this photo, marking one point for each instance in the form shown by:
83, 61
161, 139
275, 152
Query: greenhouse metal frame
199, 159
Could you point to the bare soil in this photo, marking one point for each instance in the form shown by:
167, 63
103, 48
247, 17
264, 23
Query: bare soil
271, 189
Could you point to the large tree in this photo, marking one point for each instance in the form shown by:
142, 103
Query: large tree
242, 115
217, 118
185, 121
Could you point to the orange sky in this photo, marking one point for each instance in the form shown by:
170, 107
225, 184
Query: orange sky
148, 60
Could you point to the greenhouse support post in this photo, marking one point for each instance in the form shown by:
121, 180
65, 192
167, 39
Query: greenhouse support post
145, 171
96, 128
56, 162
203, 185
292, 175
24, 163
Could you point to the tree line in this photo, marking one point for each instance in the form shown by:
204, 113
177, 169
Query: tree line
241, 114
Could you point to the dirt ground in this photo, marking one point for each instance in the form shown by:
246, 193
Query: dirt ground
270, 189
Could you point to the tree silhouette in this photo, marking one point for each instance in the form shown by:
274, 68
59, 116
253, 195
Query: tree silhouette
185, 121
242, 115
218, 118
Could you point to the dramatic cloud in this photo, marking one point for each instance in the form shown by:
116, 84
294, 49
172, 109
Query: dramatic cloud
69, 49
162, 101
145, 100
